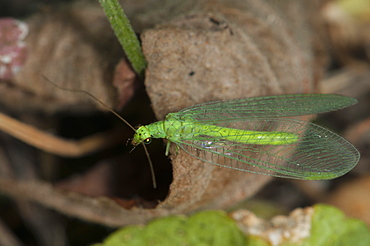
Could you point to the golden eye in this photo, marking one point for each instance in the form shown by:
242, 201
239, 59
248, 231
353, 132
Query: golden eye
147, 140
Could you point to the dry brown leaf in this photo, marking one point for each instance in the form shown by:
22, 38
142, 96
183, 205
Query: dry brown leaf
221, 50
65, 45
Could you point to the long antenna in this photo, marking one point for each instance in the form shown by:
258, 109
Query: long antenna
116, 114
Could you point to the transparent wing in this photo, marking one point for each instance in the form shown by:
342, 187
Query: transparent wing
318, 155
264, 107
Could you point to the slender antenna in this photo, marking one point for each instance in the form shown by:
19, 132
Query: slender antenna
94, 97
151, 166
116, 114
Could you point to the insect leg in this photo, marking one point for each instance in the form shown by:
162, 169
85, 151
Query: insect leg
168, 147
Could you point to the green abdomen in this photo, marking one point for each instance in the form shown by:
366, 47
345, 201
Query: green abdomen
195, 130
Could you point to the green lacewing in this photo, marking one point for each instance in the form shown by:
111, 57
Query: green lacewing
256, 135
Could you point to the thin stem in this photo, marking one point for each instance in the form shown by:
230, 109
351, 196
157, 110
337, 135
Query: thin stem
125, 34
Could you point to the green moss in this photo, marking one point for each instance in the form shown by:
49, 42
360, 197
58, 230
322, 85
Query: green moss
331, 227
204, 228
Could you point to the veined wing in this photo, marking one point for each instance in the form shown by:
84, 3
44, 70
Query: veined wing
265, 107
318, 155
